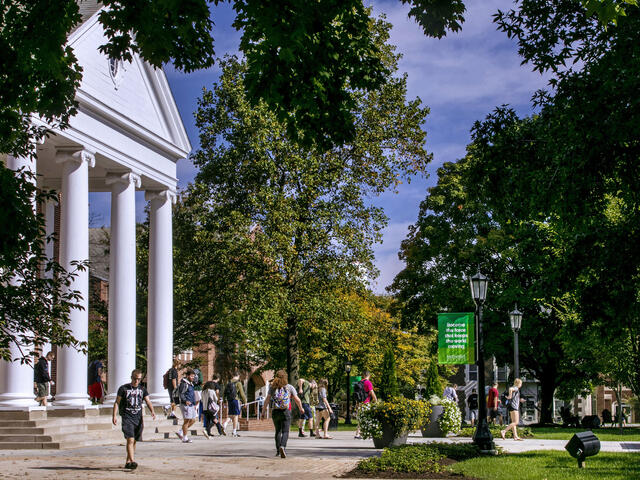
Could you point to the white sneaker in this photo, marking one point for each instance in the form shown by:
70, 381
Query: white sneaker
186, 440
180, 434
206, 435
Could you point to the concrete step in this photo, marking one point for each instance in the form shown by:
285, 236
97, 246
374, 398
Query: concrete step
48, 430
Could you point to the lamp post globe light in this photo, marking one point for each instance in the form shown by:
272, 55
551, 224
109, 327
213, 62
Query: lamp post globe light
347, 369
482, 436
516, 323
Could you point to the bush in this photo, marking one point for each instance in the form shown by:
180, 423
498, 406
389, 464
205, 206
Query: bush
388, 387
433, 385
403, 414
418, 458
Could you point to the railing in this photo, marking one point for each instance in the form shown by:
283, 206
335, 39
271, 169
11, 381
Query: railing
258, 414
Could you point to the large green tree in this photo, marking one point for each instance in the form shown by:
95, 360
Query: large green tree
302, 215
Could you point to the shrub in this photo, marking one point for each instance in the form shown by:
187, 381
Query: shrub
404, 415
433, 385
388, 387
418, 458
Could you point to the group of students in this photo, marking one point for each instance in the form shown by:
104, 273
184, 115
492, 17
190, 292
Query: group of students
310, 397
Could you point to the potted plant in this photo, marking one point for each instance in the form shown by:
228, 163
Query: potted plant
389, 423
445, 418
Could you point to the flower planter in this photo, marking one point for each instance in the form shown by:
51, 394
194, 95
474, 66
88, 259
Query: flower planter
389, 437
433, 428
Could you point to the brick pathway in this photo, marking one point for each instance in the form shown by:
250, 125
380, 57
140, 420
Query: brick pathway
248, 457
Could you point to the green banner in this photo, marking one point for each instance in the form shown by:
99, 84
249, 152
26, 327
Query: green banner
456, 338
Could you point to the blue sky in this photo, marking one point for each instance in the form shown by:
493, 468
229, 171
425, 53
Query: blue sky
461, 78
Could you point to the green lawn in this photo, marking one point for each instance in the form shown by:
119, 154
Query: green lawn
629, 434
551, 465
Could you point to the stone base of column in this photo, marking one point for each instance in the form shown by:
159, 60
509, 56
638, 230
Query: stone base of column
72, 400
56, 411
17, 400
159, 399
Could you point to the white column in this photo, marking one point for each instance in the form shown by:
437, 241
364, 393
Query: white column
74, 246
122, 281
49, 208
16, 379
160, 322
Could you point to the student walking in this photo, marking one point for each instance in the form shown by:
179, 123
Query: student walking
210, 408
513, 409
172, 386
472, 404
493, 402
304, 393
129, 403
95, 380
366, 396
281, 392
314, 402
450, 392
187, 398
323, 409
232, 391
42, 379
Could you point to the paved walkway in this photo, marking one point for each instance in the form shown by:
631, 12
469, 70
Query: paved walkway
248, 457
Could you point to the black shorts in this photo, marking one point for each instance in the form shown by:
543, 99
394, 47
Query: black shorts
493, 413
132, 427
306, 413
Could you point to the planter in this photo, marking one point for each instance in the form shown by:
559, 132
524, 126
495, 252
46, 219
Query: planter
433, 428
389, 438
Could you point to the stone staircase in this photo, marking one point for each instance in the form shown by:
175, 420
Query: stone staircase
58, 428
71, 428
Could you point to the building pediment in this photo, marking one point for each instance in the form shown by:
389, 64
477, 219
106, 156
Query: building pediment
133, 96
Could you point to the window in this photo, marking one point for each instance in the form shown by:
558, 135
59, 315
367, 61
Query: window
116, 70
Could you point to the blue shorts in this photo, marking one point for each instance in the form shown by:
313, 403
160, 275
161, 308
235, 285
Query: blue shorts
234, 407
306, 413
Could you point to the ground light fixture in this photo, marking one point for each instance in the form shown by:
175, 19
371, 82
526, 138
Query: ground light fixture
482, 436
583, 445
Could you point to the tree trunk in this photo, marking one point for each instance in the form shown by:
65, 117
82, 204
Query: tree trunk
293, 358
547, 389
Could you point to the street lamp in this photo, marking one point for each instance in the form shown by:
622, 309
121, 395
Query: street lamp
516, 323
347, 369
482, 436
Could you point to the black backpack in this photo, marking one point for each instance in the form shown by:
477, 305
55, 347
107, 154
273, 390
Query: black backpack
179, 393
359, 394
504, 399
230, 392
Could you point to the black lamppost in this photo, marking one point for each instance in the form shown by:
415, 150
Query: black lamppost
516, 323
482, 436
347, 417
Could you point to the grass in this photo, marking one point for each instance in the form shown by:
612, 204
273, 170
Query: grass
551, 465
629, 434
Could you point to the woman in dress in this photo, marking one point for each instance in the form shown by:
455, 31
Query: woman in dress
280, 394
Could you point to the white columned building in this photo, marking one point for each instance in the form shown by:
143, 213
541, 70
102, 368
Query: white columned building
126, 136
